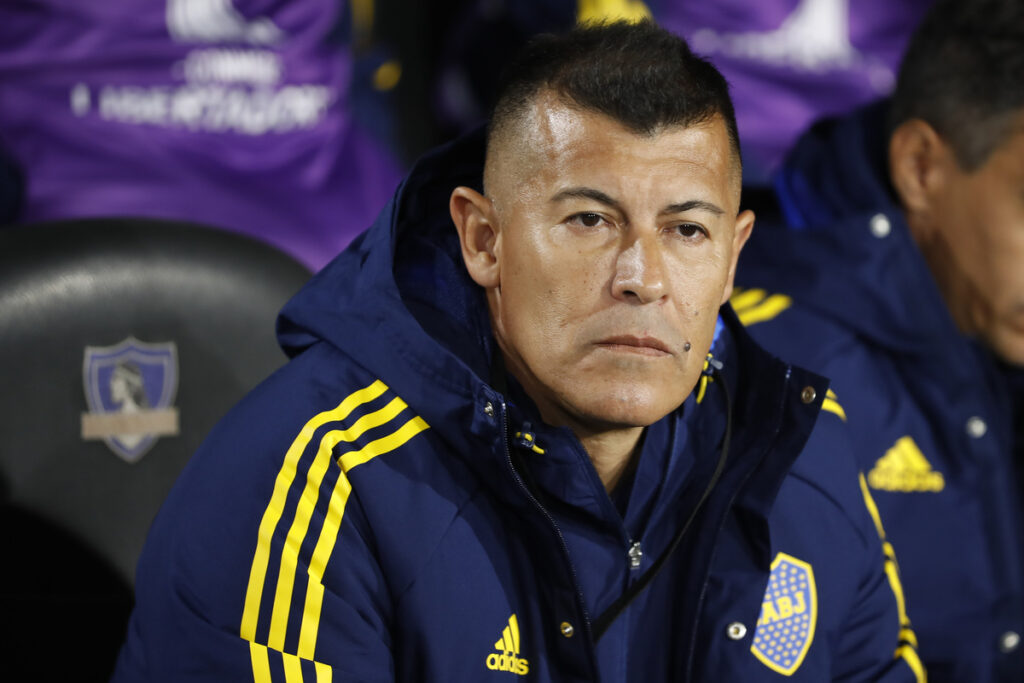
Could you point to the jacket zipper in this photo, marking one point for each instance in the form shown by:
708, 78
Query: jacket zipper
581, 604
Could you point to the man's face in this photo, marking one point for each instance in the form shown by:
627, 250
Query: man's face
614, 252
978, 251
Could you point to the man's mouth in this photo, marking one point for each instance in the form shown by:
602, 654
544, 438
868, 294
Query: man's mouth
646, 346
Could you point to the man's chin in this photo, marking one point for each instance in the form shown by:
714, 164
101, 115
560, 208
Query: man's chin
625, 412
1009, 347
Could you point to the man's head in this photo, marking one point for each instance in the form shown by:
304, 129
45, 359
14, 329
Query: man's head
610, 229
957, 162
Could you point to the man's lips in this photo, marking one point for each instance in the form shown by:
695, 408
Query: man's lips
647, 346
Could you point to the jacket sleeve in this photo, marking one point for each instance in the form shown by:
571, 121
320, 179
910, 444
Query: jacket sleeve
878, 593
871, 634
258, 568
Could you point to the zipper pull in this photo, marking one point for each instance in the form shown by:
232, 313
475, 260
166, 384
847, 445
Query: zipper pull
636, 555
526, 439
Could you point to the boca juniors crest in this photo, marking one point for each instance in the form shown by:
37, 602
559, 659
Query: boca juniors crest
129, 388
789, 614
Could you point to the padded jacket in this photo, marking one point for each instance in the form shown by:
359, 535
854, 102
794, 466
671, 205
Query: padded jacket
385, 508
843, 288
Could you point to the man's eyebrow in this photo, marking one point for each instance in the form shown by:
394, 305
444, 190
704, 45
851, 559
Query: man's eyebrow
602, 198
586, 193
698, 204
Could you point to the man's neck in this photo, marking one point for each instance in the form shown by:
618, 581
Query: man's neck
611, 452
611, 447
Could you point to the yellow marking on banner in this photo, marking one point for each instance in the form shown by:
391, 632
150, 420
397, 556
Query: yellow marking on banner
272, 514
362, 17
332, 523
304, 512
387, 75
611, 10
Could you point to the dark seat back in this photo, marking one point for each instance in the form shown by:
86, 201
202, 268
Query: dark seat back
110, 326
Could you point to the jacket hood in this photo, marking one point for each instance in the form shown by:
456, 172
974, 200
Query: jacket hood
845, 251
400, 303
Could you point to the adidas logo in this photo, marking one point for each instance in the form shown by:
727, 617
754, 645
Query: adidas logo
904, 468
507, 657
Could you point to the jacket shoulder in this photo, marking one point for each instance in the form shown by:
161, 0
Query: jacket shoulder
825, 475
274, 516
825, 520
792, 331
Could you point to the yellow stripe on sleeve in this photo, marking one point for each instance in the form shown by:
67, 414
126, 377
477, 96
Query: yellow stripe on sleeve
272, 514
869, 502
908, 639
766, 310
324, 547
260, 662
893, 574
332, 523
831, 404
304, 512
323, 673
383, 445
260, 656
292, 668
745, 298
909, 655
908, 636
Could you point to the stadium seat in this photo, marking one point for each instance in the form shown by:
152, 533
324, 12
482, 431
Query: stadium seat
122, 342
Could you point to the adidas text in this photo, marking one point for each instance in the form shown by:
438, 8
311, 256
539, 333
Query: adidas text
508, 662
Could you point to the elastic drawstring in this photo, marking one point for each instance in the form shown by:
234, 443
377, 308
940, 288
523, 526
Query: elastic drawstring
711, 370
605, 619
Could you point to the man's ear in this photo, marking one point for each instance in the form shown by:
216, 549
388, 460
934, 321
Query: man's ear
744, 226
476, 222
918, 164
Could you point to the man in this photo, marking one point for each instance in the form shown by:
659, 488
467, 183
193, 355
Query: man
502, 449
902, 279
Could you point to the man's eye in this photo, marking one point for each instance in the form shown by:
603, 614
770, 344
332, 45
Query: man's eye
690, 230
589, 220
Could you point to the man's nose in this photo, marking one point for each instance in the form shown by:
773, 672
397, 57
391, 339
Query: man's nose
640, 271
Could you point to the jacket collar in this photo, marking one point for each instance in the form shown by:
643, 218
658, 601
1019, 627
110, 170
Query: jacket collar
845, 251
399, 303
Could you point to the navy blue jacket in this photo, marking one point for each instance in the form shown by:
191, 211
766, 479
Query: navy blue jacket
378, 510
845, 290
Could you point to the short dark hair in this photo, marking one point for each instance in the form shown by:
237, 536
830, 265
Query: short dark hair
638, 74
963, 73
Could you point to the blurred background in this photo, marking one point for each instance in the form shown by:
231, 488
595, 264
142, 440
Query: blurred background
171, 171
